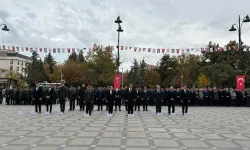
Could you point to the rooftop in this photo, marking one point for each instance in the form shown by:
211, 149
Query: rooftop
10, 53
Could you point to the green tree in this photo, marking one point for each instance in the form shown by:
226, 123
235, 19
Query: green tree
134, 74
35, 70
81, 57
49, 59
166, 70
73, 56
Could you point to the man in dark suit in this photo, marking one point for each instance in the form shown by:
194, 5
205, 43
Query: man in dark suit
99, 95
171, 100
89, 99
63, 94
158, 97
37, 96
111, 100
118, 99
185, 99
81, 96
130, 98
138, 98
145, 98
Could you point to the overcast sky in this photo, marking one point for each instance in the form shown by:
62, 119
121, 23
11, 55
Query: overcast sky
146, 23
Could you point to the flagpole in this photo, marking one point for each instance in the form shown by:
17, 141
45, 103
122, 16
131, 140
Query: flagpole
122, 77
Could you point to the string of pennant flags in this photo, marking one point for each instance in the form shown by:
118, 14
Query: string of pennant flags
122, 48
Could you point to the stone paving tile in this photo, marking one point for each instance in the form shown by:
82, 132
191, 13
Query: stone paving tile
205, 128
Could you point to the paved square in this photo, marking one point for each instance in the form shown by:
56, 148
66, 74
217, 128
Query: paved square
204, 128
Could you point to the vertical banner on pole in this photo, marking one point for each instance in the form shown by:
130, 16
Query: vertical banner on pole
117, 81
240, 83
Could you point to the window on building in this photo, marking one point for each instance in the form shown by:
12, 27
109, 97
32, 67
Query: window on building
11, 61
18, 62
22, 63
11, 68
17, 68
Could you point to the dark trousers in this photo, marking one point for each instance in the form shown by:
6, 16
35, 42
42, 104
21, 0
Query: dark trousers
171, 104
82, 105
38, 106
72, 104
99, 103
12, 101
126, 105
138, 104
184, 107
62, 105
118, 103
88, 108
158, 108
130, 108
107, 106
145, 105
49, 105
216, 102
206, 100
111, 108
8, 100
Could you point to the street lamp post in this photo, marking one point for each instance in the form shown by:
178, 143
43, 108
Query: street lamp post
5, 28
118, 21
239, 27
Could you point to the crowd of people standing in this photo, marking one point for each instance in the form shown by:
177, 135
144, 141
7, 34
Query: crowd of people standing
134, 98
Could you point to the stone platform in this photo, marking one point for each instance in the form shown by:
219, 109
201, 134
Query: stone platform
205, 128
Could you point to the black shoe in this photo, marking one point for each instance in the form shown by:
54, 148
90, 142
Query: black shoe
120, 110
115, 110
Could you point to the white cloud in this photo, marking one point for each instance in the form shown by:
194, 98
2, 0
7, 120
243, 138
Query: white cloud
146, 23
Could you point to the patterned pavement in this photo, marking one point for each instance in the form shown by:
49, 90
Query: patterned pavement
205, 128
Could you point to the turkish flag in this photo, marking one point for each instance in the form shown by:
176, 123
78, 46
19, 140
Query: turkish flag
117, 83
240, 82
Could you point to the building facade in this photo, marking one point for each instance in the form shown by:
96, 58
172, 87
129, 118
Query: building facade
13, 61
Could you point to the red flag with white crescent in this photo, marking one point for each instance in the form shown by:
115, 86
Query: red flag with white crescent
240, 83
117, 81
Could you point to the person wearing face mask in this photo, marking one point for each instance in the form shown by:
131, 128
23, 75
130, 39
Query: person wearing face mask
118, 99
158, 98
